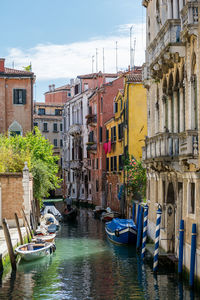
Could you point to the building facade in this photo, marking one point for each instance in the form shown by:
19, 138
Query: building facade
171, 148
16, 100
48, 118
58, 95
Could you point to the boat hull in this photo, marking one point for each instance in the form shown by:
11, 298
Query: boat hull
126, 236
30, 255
70, 216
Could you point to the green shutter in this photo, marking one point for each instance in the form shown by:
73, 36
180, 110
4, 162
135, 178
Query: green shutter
24, 96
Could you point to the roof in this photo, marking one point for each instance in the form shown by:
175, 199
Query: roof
49, 104
99, 74
61, 88
134, 76
15, 72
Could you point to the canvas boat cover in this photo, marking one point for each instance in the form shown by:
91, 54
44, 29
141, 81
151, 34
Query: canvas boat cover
120, 224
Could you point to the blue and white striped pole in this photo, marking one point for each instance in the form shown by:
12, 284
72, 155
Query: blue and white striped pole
133, 212
155, 261
139, 229
193, 253
180, 257
144, 237
138, 215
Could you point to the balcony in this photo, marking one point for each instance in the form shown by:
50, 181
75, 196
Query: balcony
92, 147
171, 145
166, 42
75, 164
75, 129
66, 165
91, 120
189, 18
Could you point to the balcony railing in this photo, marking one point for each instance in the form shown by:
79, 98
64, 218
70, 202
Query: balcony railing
181, 145
189, 14
75, 164
92, 146
75, 129
169, 35
92, 120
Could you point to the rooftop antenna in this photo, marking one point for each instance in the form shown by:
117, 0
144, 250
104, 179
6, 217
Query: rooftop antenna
96, 60
103, 62
13, 64
131, 49
92, 63
116, 58
133, 53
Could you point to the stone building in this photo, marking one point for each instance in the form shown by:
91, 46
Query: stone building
58, 95
16, 100
171, 148
76, 160
48, 118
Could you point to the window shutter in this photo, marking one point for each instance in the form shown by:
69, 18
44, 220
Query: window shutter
15, 96
24, 96
100, 134
114, 133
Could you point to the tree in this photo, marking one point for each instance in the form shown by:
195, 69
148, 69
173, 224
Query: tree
135, 178
38, 152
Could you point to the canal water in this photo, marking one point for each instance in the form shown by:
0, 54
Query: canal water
87, 266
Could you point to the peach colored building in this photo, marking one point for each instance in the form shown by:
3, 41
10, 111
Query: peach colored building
58, 95
16, 100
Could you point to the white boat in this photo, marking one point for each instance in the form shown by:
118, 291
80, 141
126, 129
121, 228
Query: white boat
33, 251
44, 238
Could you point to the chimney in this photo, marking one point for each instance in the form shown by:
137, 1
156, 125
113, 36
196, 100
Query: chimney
53, 87
2, 67
50, 88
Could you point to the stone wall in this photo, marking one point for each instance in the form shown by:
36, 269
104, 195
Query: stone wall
16, 192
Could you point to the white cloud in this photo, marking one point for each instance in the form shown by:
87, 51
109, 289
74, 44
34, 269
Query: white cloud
69, 60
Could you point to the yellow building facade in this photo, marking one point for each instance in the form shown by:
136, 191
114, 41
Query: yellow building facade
126, 132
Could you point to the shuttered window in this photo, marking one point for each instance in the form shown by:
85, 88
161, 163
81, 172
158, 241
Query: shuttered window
107, 164
120, 162
19, 96
100, 134
107, 135
115, 163
112, 165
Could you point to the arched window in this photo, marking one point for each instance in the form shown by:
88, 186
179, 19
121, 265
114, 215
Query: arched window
15, 129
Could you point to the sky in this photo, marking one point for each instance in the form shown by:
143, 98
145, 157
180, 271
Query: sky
60, 37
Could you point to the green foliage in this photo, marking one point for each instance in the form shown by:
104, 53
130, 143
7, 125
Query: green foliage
38, 153
135, 178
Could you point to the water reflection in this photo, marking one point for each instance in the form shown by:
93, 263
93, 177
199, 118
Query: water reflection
88, 266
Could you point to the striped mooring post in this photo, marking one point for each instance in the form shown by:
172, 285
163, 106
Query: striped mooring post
193, 253
181, 238
139, 228
155, 260
138, 215
133, 212
144, 237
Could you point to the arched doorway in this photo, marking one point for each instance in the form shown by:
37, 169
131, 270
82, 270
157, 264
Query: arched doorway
170, 218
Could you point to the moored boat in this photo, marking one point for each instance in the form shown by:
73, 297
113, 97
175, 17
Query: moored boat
69, 215
33, 251
108, 216
121, 231
97, 212
44, 238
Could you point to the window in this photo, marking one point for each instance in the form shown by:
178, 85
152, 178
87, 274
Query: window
35, 124
93, 164
113, 134
76, 89
97, 163
107, 164
55, 127
97, 185
100, 134
120, 162
115, 163
89, 175
120, 131
19, 96
61, 127
116, 107
45, 127
58, 112
55, 142
90, 110
85, 86
101, 104
68, 176
95, 108
41, 111
112, 165
61, 143
83, 191
191, 198
107, 135
68, 94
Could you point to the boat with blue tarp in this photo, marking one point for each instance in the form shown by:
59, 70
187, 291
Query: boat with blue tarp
121, 231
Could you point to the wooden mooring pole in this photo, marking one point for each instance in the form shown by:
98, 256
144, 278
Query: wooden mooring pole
27, 223
27, 233
18, 229
9, 244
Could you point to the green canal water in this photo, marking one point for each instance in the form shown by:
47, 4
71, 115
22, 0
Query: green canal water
87, 266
